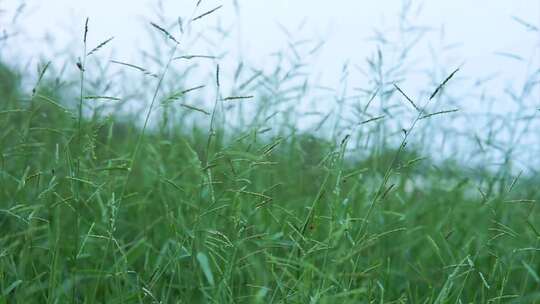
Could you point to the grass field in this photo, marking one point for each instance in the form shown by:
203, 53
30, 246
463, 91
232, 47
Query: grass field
100, 206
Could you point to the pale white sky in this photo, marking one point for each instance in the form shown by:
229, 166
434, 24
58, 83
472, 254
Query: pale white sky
481, 27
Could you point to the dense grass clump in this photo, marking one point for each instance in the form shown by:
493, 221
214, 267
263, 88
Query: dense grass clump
115, 189
93, 210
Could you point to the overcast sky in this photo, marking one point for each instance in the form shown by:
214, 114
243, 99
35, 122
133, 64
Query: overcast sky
485, 38
481, 28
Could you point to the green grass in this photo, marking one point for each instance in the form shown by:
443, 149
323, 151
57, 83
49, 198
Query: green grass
176, 204
240, 217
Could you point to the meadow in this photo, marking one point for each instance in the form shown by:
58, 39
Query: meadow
229, 201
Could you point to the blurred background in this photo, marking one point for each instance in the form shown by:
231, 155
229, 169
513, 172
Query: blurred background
346, 52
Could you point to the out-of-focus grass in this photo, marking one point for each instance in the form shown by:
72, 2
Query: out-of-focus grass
245, 218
